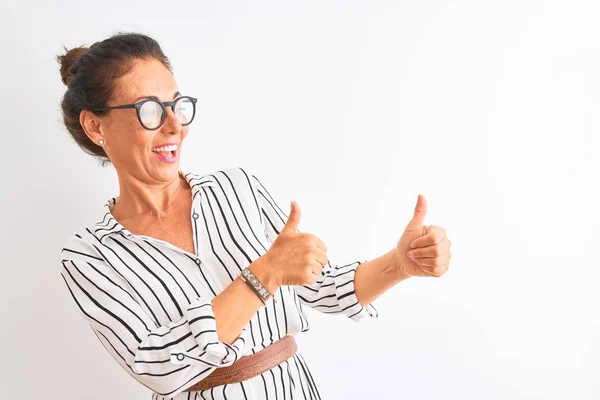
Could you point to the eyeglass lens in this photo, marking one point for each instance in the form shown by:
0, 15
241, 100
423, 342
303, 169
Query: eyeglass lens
151, 112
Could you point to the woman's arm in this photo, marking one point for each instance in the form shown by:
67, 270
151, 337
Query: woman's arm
375, 277
211, 333
334, 292
235, 306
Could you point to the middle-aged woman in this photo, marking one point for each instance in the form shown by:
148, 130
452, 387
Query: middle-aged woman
195, 283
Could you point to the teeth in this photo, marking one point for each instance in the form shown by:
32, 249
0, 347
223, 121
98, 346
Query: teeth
172, 147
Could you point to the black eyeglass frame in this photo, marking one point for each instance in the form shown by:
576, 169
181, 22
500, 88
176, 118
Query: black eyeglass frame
163, 104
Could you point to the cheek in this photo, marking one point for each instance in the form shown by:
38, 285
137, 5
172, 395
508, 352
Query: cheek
128, 137
121, 125
184, 134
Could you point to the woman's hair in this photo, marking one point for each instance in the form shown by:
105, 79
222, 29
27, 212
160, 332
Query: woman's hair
90, 75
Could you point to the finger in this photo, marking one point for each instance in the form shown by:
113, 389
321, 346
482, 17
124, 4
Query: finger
320, 261
317, 268
320, 244
416, 223
435, 235
435, 271
320, 256
430, 251
435, 250
293, 218
312, 278
433, 261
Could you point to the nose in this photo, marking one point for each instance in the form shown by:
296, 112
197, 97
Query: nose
171, 123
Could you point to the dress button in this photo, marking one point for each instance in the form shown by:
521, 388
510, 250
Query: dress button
196, 216
198, 261
180, 357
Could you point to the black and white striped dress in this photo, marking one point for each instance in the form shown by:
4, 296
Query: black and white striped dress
149, 302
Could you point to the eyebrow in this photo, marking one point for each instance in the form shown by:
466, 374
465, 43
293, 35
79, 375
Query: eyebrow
154, 97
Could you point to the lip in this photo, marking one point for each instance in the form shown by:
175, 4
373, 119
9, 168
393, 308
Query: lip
168, 159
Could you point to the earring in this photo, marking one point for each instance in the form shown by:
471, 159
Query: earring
101, 142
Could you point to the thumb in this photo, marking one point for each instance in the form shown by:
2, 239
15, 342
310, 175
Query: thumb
293, 218
416, 223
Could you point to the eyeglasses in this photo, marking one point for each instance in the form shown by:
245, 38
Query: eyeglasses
152, 113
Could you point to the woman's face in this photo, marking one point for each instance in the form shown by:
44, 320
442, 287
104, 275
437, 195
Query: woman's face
127, 143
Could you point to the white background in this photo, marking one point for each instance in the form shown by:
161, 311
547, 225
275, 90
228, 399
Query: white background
488, 108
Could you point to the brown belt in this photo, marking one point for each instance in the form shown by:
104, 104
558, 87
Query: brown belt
249, 366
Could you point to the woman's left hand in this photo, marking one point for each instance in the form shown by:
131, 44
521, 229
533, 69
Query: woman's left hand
429, 254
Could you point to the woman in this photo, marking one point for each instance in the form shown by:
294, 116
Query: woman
195, 284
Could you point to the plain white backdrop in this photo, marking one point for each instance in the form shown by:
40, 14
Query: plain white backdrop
488, 108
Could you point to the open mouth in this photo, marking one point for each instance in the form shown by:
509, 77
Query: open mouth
166, 153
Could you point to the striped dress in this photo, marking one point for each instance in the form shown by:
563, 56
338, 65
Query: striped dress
149, 302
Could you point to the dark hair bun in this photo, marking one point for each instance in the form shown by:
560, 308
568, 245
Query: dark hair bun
67, 62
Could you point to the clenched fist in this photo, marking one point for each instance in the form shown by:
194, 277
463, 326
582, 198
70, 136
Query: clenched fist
294, 258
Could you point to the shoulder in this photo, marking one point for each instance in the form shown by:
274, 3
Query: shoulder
85, 243
80, 247
238, 178
236, 187
80, 258
237, 174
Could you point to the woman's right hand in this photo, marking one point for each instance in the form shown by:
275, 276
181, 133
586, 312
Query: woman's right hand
294, 259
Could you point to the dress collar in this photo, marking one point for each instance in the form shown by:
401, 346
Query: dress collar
108, 225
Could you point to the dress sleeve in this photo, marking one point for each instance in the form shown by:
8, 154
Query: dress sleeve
166, 359
334, 292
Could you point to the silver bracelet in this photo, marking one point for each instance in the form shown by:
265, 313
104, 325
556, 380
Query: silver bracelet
258, 288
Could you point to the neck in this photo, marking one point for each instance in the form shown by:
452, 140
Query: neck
139, 198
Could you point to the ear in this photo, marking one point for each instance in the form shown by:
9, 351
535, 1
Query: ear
91, 125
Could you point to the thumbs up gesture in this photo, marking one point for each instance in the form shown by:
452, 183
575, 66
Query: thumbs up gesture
421, 250
295, 258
